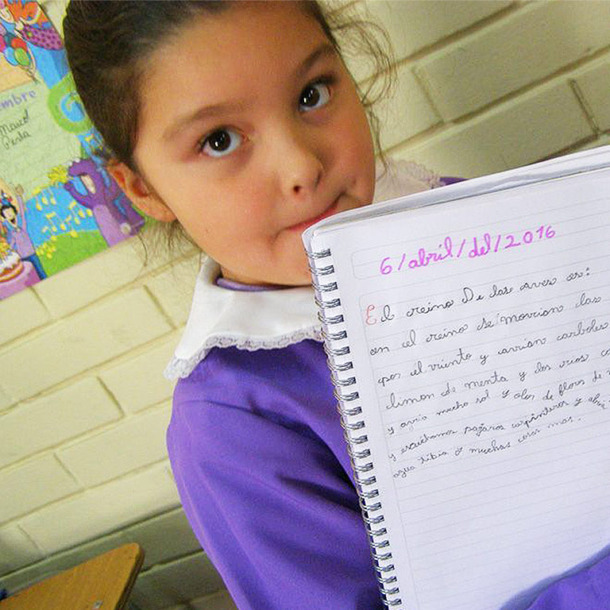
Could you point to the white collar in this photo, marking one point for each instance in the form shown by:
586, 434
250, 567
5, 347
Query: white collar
270, 319
221, 317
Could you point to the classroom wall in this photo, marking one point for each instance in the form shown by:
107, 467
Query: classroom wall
483, 86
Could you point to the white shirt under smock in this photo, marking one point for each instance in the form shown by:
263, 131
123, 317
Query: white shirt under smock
269, 319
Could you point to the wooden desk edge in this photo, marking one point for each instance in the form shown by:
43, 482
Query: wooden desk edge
131, 554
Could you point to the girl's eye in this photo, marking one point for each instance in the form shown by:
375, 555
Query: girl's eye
221, 142
314, 96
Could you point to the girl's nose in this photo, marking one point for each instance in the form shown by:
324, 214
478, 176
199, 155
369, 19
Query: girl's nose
305, 176
301, 166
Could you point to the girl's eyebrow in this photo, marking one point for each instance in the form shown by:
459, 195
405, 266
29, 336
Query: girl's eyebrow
182, 122
324, 50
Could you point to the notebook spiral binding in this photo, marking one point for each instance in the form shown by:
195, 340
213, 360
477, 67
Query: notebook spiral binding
337, 350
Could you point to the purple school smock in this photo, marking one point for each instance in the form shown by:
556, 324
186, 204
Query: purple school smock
586, 590
260, 462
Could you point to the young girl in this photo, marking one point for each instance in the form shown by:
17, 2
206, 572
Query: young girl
240, 121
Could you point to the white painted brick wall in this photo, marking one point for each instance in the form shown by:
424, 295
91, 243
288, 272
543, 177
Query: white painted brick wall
594, 83
5, 399
166, 537
416, 24
16, 549
112, 269
79, 342
20, 314
413, 25
155, 590
516, 132
33, 484
101, 509
136, 380
407, 113
217, 601
137, 442
173, 288
524, 48
55, 418
483, 86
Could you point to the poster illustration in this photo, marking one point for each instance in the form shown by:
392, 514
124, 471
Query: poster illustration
58, 205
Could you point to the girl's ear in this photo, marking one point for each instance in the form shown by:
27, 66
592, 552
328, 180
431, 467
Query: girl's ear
139, 193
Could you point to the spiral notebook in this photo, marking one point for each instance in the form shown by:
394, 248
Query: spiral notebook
468, 330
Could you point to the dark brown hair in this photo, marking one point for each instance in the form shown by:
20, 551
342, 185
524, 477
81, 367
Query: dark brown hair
108, 41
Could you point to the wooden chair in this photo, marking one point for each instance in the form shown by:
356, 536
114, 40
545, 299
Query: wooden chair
103, 582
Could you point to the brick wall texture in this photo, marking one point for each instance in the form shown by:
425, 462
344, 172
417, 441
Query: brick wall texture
483, 86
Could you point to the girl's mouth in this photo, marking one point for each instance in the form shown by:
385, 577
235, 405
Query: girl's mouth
312, 221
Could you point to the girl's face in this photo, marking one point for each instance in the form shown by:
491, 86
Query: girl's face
250, 131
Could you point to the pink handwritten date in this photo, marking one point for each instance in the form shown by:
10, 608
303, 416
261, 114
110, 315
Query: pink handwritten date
472, 247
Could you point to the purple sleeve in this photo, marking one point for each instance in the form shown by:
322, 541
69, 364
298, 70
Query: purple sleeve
269, 501
588, 589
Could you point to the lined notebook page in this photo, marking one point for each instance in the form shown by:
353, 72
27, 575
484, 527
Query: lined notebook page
480, 336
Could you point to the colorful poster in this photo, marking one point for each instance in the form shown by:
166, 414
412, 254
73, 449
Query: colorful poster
58, 205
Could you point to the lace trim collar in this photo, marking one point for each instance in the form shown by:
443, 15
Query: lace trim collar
271, 319
247, 320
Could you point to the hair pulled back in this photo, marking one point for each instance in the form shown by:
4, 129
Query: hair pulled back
108, 42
